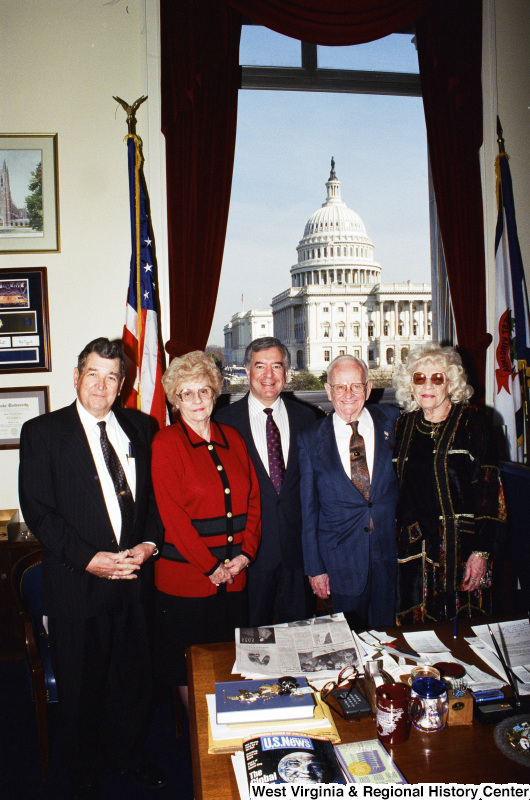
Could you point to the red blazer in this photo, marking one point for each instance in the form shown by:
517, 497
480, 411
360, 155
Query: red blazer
208, 497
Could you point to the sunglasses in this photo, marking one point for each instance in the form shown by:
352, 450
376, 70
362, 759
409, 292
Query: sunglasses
437, 378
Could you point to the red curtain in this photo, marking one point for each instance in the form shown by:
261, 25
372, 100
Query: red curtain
199, 107
450, 57
200, 80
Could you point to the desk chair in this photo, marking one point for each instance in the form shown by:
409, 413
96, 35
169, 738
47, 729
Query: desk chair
516, 482
26, 585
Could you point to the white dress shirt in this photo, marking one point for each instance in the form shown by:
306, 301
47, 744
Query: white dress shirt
343, 433
258, 423
121, 444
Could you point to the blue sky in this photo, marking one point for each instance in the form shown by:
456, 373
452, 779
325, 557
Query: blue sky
285, 141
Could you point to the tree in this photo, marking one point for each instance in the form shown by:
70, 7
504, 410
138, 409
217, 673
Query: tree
34, 200
304, 380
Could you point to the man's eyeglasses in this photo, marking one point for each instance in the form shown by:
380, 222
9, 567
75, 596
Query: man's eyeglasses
342, 388
187, 396
336, 694
437, 378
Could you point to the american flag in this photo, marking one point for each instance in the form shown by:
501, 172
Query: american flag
142, 388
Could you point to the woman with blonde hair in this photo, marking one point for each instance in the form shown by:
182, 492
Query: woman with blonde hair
451, 502
208, 497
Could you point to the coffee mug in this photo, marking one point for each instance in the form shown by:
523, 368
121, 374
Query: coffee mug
391, 712
428, 704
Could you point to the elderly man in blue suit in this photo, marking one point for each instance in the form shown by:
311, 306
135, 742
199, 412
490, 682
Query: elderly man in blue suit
349, 493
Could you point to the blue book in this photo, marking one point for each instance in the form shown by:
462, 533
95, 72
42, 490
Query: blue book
259, 701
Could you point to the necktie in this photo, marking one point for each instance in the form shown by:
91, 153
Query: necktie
121, 487
360, 477
274, 451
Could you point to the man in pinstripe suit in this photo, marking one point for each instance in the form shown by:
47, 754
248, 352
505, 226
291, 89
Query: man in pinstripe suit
96, 565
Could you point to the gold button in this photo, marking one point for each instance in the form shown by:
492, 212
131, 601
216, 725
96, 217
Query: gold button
230, 538
227, 491
229, 514
210, 447
227, 561
219, 467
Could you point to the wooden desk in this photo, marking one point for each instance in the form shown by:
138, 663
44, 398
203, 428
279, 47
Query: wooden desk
460, 754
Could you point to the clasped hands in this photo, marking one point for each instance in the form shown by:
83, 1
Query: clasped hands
120, 566
225, 573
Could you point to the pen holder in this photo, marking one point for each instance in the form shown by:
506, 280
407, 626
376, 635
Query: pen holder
460, 709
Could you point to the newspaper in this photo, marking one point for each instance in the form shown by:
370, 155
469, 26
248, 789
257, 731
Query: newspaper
318, 647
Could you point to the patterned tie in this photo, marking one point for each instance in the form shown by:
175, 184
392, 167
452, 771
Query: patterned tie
274, 450
121, 487
360, 477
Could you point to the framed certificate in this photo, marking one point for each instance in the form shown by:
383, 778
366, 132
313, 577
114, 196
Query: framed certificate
16, 407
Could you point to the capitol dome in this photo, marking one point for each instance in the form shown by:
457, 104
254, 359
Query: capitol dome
335, 247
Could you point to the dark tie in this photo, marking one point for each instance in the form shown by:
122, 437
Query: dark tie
121, 487
274, 451
360, 477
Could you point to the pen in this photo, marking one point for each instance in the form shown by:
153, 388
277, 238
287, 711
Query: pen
506, 669
402, 649
455, 628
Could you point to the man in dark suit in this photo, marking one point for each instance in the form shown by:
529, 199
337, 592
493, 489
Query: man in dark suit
86, 494
277, 587
349, 494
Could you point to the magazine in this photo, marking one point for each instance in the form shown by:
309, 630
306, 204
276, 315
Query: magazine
291, 758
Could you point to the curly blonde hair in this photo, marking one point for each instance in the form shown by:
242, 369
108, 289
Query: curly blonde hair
431, 353
191, 367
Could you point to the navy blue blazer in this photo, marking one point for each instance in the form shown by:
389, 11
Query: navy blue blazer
335, 515
63, 505
281, 516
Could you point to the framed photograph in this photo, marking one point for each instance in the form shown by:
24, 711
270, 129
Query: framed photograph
24, 327
17, 406
29, 193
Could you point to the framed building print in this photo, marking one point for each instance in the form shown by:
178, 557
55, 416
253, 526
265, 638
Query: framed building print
29, 193
16, 407
24, 327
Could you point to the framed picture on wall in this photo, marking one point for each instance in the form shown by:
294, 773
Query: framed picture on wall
24, 327
29, 193
16, 407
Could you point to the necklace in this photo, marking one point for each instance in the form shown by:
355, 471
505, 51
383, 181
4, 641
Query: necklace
431, 429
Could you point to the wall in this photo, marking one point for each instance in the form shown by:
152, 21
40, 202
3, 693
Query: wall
66, 60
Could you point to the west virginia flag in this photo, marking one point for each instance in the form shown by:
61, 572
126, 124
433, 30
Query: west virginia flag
512, 352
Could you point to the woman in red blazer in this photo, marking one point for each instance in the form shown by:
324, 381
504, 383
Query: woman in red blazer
208, 497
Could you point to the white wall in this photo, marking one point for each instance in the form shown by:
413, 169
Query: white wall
63, 61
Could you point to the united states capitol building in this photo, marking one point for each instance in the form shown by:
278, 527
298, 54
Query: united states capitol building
337, 303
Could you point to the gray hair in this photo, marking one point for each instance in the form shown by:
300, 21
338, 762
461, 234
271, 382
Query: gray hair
265, 343
358, 361
104, 348
191, 367
431, 353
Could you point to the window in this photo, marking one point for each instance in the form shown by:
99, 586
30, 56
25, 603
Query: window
386, 329
357, 353
415, 329
370, 355
356, 330
325, 309
326, 355
370, 329
404, 354
342, 352
341, 333
400, 329
326, 333
355, 309
340, 309
390, 356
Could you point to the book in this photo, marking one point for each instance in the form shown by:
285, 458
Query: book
367, 762
259, 701
229, 738
290, 758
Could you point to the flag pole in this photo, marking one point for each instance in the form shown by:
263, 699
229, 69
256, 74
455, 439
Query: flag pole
131, 110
